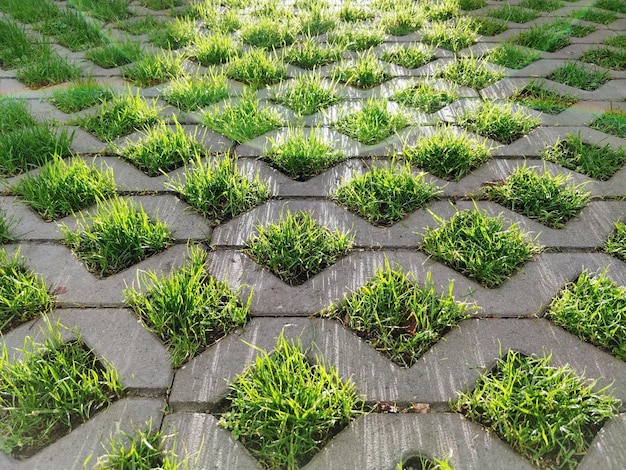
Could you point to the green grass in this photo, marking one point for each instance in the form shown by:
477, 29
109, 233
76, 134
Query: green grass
80, 95
256, 68
106, 10
410, 57
47, 68
309, 54
373, 123
316, 21
218, 190
547, 37
595, 15
593, 308
596, 162
541, 5
544, 197
307, 94
479, 246
612, 122
365, 72
14, 115
30, 11
422, 462
189, 310
403, 20
154, 69
578, 76
385, 195
354, 14
191, 93
160, 4
398, 317
490, 26
447, 154
71, 30
116, 236
616, 244
469, 5
512, 56
619, 40
548, 414
283, 409
613, 5
141, 25
539, 98
115, 54
470, 72
52, 389
357, 37
162, 149
498, 122
62, 188
443, 10
581, 30
16, 45
242, 120
174, 34
302, 156
29, 147
454, 37
267, 33
606, 57
7, 224
216, 48
297, 248
425, 97
516, 14
119, 116
23, 294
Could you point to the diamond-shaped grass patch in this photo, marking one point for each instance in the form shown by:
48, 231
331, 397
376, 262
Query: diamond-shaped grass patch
544, 197
593, 308
189, 310
285, 409
597, 162
616, 244
498, 122
537, 97
297, 248
385, 195
23, 294
479, 246
548, 414
307, 94
52, 389
425, 97
366, 72
63, 188
118, 235
398, 317
612, 122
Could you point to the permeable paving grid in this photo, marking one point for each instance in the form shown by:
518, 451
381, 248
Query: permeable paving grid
313, 234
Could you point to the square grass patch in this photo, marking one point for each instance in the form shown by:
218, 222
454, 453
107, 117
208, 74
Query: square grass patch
218, 189
548, 414
119, 116
62, 188
297, 248
616, 244
34, 416
398, 317
162, 149
425, 97
242, 120
257, 69
578, 76
498, 122
385, 195
593, 308
470, 72
302, 156
307, 94
23, 294
611, 122
366, 72
189, 310
116, 236
191, 93
596, 162
606, 57
544, 197
373, 123
80, 95
512, 56
539, 98
479, 246
447, 154
409, 57
284, 409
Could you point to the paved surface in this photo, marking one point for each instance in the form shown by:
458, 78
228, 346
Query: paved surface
510, 316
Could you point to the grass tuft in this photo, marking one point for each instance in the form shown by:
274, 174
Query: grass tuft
616, 244
174, 34
516, 14
385, 195
543, 197
116, 236
498, 122
366, 72
357, 38
154, 69
425, 97
548, 414
578, 76
256, 68
116, 54
191, 93
479, 246
307, 94
268, 33
512, 56
470, 72
606, 57
398, 317
612, 122
214, 49
452, 36
309, 54
80, 95
189, 310
408, 57
297, 248
373, 123
537, 97
47, 68
547, 37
